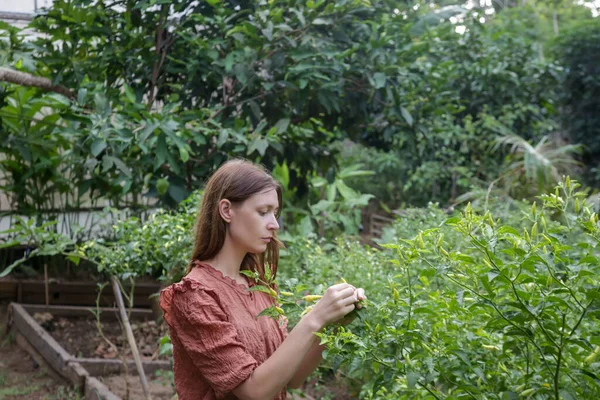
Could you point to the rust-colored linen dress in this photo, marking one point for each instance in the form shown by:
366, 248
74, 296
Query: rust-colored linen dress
217, 339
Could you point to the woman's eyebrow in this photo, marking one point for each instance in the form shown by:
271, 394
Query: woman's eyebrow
269, 207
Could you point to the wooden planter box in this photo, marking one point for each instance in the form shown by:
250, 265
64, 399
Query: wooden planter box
80, 372
70, 293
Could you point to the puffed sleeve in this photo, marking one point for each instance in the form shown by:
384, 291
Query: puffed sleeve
202, 327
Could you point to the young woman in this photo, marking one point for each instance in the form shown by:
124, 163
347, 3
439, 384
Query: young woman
220, 349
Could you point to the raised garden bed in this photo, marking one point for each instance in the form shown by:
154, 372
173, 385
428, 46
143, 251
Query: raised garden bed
77, 293
94, 376
97, 377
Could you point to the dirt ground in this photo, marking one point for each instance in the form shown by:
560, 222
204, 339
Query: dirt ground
21, 377
80, 336
160, 387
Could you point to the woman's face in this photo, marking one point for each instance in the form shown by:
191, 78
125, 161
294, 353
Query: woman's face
254, 221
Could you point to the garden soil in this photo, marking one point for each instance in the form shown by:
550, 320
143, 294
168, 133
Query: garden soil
80, 336
21, 377
160, 387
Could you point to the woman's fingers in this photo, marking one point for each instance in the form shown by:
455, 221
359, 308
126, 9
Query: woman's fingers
361, 294
339, 300
339, 286
347, 292
348, 300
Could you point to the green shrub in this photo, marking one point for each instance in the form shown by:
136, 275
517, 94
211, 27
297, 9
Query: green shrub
511, 312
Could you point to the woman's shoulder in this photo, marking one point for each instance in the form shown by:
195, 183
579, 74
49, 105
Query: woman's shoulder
190, 296
203, 283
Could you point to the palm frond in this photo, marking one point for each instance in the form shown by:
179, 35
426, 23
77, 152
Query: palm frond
543, 163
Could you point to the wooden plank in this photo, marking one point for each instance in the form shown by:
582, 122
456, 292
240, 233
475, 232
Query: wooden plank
102, 367
377, 222
8, 290
71, 293
77, 375
107, 313
41, 361
39, 339
96, 390
47, 352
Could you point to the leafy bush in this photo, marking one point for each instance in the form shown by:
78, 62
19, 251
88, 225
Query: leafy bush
159, 247
578, 49
504, 309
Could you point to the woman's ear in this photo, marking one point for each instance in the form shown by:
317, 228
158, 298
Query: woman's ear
225, 210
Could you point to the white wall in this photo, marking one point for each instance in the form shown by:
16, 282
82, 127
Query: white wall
23, 6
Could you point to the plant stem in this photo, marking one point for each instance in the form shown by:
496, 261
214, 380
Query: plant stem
121, 355
130, 337
560, 349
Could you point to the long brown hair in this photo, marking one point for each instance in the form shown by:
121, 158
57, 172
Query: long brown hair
236, 181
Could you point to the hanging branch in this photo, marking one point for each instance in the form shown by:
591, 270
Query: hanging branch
26, 79
130, 338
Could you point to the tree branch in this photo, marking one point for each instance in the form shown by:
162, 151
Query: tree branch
26, 79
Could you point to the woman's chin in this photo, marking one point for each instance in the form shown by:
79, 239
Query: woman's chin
258, 250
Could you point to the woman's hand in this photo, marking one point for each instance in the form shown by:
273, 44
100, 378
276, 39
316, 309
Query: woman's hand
338, 301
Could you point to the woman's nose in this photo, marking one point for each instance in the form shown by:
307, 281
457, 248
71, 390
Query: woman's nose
273, 224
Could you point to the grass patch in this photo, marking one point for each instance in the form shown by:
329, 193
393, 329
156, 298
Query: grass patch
65, 393
17, 391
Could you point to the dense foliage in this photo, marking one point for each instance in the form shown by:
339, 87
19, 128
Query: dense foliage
414, 107
158, 95
579, 51
470, 306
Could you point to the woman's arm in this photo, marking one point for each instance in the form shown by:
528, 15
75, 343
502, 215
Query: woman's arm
309, 364
272, 376
315, 354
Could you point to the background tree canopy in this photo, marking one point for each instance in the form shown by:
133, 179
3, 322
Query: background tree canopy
164, 91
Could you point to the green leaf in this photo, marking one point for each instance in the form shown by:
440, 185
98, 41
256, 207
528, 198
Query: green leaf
178, 193
269, 312
149, 128
98, 146
305, 228
318, 181
406, 115
119, 164
281, 174
321, 206
321, 21
259, 144
379, 80
331, 193
260, 288
162, 185
59, 98
223, 136
411, 379
346, 192
282, 125
268, 31
183, 154
81, 94
9, 244
130, 94
509, 230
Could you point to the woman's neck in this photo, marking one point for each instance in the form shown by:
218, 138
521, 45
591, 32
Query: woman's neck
229, 259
